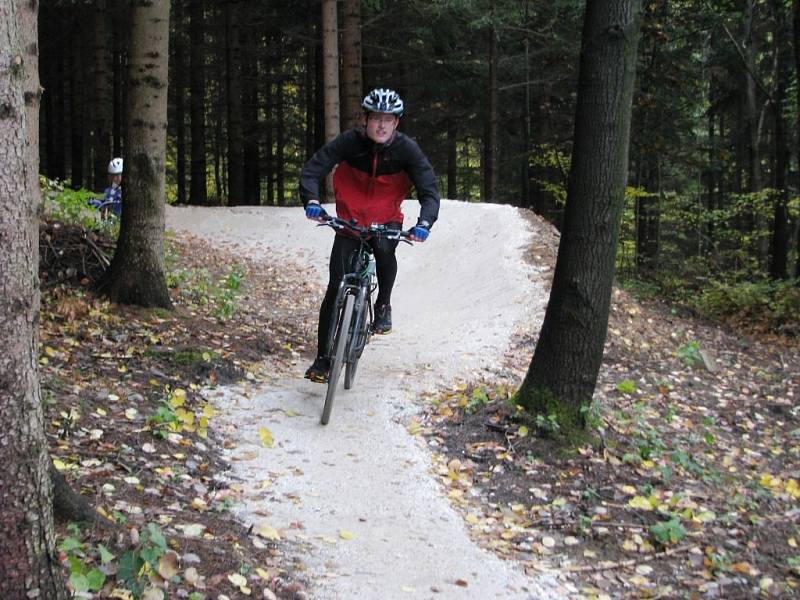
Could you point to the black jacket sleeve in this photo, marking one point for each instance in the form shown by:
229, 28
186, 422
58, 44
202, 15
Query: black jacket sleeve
319, 165
421, 173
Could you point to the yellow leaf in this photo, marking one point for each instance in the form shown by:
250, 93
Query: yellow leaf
203, 433
629, 489
742, 567
178, 398
51, 352
792, 542
101, 412
266, 531
641, 502
522, 431
471, 519
237, 580
208, 411
60, 465
705, 516
345, 535
266, 437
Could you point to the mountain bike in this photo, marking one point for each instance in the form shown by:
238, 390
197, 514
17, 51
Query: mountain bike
351, 326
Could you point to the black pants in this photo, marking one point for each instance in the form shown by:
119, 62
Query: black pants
342, 254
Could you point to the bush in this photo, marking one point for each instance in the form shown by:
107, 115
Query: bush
69, 206
771, 304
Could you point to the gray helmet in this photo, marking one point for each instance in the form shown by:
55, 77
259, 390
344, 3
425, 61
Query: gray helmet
383, 100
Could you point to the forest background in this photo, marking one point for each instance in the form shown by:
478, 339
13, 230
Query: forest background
712, 212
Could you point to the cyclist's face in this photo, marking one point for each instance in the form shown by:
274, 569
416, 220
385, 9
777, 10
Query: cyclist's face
116, 179
380, 126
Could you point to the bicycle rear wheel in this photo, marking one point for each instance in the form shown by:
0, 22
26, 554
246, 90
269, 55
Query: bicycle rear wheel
339, 345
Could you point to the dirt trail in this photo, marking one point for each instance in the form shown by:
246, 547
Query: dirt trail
369, 519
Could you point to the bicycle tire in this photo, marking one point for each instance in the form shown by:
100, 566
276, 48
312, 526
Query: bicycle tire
338, 357
358, 338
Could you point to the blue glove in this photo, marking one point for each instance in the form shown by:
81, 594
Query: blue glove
419, 234
314, 211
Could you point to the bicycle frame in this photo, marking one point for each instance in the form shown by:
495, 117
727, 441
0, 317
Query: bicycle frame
351, 325
361, 283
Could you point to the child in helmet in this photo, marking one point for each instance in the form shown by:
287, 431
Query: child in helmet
112, 195
377, 166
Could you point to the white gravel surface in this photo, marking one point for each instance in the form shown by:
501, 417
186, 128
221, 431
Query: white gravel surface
457, 301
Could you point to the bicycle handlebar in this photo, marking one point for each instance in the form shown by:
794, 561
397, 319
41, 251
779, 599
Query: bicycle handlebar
380, 231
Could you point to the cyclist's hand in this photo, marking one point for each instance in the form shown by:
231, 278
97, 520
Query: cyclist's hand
418, 233
314, 211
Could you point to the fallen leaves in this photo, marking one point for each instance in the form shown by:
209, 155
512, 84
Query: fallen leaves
265, 435
695, 481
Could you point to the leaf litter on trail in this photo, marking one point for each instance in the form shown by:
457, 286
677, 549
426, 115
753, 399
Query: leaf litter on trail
129, 424
694, 473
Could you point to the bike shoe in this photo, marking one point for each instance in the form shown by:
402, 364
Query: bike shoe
383, 319
318, 371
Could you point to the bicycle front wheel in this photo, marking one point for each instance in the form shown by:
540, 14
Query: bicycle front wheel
356, 346
339, 345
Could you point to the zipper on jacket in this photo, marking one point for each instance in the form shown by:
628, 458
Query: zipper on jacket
374, 164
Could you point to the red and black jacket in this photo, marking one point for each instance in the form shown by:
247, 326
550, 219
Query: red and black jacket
372, 180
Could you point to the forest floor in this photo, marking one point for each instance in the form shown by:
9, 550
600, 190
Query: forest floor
689, 489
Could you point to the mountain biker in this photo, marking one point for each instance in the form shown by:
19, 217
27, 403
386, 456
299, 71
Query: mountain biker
376, 167
112, 199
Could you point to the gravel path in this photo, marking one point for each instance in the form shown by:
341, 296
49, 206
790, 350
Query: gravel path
357, 496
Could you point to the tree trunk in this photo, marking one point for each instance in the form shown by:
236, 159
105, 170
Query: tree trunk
78, 104
797, 78
252, 128
60, 121
233, 59
120, 20
330, 60
490, 150
197, 84
270, 138
136, 274
754, 156
779, 247
280, 136
219, 112
102, 96
319, 98
178, 78
351, 63
563, 373
30, 561
310, 78
452, 158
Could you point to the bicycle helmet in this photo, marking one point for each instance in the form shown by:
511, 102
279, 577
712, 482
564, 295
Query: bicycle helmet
383, 100
115, 166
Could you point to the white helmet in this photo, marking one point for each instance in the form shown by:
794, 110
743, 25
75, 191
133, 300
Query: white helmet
115, 166
383, 100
